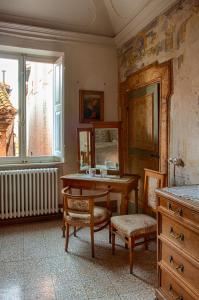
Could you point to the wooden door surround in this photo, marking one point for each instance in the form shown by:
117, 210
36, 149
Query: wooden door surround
155, 73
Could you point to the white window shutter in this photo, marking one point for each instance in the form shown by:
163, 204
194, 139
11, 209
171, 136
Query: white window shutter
58, 108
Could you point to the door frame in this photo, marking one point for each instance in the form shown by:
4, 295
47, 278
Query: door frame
154, 73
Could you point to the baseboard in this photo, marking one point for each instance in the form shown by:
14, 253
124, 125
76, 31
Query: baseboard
31, 219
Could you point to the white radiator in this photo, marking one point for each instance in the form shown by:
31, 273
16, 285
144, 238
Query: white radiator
28, 192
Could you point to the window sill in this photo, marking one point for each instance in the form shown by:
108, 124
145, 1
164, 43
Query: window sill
35, 164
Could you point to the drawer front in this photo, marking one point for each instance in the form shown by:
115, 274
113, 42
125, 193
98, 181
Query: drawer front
83, 184
172, 289
115, 188
179, 210
181, 266
183, 237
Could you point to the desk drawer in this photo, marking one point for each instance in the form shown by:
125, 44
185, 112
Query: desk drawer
183, 237
172, 289
179, 210
115, 188
180, 265
83, 184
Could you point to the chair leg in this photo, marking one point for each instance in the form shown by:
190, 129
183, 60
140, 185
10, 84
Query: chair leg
126, 245
131, 250
67, 236
75, 231
63, 231
146, 243
113, 241
92, 241
109, 233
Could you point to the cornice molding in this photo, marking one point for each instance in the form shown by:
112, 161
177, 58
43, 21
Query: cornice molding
46, 34
145, 17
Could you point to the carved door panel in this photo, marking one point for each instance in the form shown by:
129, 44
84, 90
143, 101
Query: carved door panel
143, 130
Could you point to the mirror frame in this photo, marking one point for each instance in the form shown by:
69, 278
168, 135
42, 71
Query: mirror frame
79, 130
117, 125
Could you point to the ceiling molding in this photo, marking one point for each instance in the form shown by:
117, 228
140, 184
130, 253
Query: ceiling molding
46, 34
7, 16
115, 10
147, 15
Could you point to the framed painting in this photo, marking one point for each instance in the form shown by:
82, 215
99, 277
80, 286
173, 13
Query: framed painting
91, 106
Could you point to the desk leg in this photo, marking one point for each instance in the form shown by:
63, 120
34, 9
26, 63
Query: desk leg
124, 204
63, 221
63, 230
136, 201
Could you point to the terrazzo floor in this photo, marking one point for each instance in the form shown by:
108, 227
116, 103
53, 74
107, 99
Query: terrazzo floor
34, 265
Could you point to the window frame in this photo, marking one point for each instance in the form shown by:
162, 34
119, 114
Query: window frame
22, 158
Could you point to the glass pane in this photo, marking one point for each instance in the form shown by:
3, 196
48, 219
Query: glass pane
57, 84
85, 149
106, 148
39, 108
57, 131
9, 107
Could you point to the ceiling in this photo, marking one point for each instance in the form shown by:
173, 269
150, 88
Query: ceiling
99, 17
122, 12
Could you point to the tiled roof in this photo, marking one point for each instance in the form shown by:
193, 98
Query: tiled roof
7, 110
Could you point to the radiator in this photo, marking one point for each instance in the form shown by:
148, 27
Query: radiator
29, 192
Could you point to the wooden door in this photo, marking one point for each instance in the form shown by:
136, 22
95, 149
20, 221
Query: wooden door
143, 130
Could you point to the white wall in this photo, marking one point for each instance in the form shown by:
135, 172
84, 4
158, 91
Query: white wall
90, 67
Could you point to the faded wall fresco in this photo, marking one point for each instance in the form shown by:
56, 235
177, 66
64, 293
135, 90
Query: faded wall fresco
174, 35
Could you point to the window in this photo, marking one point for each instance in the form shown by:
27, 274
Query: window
31, 105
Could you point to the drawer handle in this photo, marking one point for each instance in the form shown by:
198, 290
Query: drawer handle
179, 267
178, 211
177, 236
176, 297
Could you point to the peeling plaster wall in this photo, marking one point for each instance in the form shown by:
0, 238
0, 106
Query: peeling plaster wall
174, 35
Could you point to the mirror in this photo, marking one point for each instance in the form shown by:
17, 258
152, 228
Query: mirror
84, 148
99, 147
106, 148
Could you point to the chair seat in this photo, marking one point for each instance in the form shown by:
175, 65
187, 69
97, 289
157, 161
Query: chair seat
101, 214
133, 225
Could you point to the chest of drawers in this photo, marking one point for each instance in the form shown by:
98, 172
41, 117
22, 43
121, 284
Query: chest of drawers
178, 243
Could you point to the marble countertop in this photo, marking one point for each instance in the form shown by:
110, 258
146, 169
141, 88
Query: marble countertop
187, 193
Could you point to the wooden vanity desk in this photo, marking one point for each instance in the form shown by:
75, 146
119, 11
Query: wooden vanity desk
178, 243
124, 185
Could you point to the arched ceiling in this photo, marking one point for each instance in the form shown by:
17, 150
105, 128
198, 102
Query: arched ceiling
123, 12
99, 17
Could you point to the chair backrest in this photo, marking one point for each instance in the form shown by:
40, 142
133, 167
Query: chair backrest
84, 203
152, 181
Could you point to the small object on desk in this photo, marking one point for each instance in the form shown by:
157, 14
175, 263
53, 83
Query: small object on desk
91, 171
103, 172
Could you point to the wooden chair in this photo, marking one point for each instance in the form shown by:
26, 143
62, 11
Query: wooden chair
137, 226
79, 211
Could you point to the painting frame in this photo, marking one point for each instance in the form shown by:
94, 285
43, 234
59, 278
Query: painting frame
91, 106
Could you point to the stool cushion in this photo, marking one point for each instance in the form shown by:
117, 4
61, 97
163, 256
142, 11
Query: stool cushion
100, 214
133, 225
